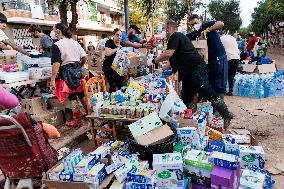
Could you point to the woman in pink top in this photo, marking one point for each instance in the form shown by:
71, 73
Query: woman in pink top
7, 99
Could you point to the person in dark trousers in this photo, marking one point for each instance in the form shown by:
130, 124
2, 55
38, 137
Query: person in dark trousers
192, 70
46, 42
233, 56
217, 59
111, 47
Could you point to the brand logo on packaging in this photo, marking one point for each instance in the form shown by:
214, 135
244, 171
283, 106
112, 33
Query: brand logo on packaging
248, 158
165, 175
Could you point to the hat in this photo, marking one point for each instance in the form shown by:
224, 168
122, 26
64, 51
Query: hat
3, 18
135, 28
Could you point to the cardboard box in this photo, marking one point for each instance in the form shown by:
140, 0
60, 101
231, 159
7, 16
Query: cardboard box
252, 155
95, 61
155, 136
40, 73
202, 48
227, 161
260, 69
254, 141
54, 117
34, 105
8, 57
187, 123
252, 179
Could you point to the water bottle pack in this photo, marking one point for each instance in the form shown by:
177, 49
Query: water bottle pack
259, 85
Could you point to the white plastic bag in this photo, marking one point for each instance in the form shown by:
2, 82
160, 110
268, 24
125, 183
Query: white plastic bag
171, 103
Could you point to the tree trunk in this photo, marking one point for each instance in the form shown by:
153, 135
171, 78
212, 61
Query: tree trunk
188, 4
74, 22
63, 12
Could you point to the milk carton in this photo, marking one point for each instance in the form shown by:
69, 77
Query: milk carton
140, 176
85, 165
231, 146
252, 180
121, 173
188, 135
54, 174
196, 162
228, 161
100, 152
96, 174
251, 155
169, 170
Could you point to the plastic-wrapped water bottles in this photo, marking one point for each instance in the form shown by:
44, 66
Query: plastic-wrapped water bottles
259, 86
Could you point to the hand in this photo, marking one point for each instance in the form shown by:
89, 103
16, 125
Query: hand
143, 41
203, 35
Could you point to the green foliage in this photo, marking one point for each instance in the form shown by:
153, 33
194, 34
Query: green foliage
93, 7
175, 10
244, 32
227, 11
267, 12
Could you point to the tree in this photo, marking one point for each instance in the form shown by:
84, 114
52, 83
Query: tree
227, 11
63, 8
175, 10
267, 12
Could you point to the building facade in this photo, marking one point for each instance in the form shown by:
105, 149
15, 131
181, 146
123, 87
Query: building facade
97, 18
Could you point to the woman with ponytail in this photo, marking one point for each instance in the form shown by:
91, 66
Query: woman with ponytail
67, 59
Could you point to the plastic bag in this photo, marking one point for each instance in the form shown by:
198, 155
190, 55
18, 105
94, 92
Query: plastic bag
172, 103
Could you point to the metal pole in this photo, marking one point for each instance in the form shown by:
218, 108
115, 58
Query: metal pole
126, 14
153, 8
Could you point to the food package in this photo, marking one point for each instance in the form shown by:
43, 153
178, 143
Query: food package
197, 162
231, 147
96, 175
72, 160
121, 173
146, 124
227, 161
85, 165
239, 139
140, 176
251, 179
252, 155
216, 146
169, 170
226, 178
100, 152
54, 173
188, 136
135, 90
217, 124
213, 134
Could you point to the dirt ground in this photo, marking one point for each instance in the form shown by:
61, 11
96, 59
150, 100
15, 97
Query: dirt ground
264, 117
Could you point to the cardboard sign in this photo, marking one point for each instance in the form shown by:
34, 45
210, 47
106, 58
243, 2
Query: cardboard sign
146, 124
95, 61
202, 48
33, 105
8, 57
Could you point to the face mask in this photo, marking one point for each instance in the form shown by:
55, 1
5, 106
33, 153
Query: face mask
197, 26
52, 35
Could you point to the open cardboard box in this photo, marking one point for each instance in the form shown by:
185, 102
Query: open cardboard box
52, 184
254, 141
260, 69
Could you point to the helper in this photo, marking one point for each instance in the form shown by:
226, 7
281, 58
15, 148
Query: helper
192, 70
68, 58
233, 56
217, 59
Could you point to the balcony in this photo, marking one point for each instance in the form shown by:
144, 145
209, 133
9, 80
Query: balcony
21, 12
112, 5
98, 26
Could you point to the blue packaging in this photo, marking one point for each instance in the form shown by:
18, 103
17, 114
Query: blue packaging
216, 146
220, 159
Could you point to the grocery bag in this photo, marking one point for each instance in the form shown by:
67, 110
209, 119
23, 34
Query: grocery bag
202, 48
171, 103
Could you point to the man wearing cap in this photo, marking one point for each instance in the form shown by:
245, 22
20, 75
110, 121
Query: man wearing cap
131, 38
251, 44
5, 40
217, 59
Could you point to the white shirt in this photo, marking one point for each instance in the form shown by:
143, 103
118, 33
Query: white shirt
71, 51
3, 36
231, 47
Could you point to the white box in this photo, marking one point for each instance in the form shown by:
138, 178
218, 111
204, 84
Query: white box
40, 73
167, 161
251, 155
252, 180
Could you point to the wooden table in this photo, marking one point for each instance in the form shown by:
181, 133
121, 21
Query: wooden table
111, 120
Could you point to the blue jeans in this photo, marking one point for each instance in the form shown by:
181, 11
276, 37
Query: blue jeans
218, 73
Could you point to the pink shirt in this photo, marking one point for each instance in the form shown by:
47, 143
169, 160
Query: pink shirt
7, 99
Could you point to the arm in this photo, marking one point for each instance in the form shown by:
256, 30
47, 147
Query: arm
8, 100
164, 56
15, 47
218, 25
109, 51
134, 45
55, 70
84, 60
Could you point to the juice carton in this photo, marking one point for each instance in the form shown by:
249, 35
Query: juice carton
231, 146
96, 174
85, 165
228, 161
100, 152
167, 161
188, 135
121, 173
170, 178
196, 162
